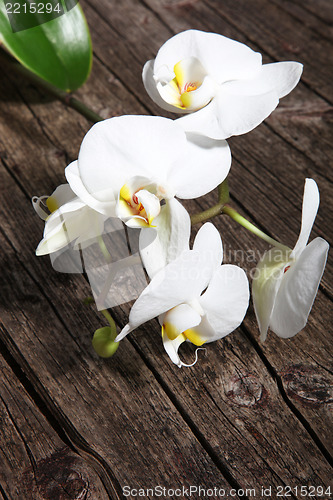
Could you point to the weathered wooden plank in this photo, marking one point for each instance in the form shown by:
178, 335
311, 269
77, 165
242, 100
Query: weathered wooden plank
322, 9
276, 472
262, 24
113, 410
35, 463
307, 13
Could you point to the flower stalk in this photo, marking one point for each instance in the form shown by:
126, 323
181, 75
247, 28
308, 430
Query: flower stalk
252, 228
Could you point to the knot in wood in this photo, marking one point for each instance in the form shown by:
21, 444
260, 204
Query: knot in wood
308, 385
59, 477
245, 390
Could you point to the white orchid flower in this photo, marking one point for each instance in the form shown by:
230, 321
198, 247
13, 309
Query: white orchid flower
127, 165
68, 220
286, 283
219, 83
195, 297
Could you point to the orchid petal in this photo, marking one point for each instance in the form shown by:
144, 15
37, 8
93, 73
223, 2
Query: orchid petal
169, 238
201, 333
225, 301
207, 165
180, 281
55, 240
265, 285
72, 174
230, 114
189, 71
60, 196
222, 58
119, 148
309, 212
73, 221
200, 97
298, 290
208, 242
279, 77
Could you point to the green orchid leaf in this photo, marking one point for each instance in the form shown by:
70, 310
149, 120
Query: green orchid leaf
49, 38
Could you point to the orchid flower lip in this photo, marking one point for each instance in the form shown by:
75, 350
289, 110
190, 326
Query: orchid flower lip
138, 202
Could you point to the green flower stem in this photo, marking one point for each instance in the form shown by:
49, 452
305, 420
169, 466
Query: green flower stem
112, 324
13, 65
223, 192
223, 198
103, 248
250, 227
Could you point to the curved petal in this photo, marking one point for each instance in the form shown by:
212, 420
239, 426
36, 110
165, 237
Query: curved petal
230, 114
206, 164
181, 281
74, 221
265, 285
309, 212
54, 241
119, 148
72, 174
298, 290
279, 77
208, 241
225, 301
169, 238
179, 319
223, 59
201, 333
151, 88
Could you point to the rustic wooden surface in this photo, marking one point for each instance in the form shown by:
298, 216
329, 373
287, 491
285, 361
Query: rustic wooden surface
248, 415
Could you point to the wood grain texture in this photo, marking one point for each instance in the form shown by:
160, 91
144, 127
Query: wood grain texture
35, 463
247, 413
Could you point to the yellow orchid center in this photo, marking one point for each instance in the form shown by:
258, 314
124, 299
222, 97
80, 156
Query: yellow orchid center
132, 201
191, 88
186, 80
190, 334
137, 202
